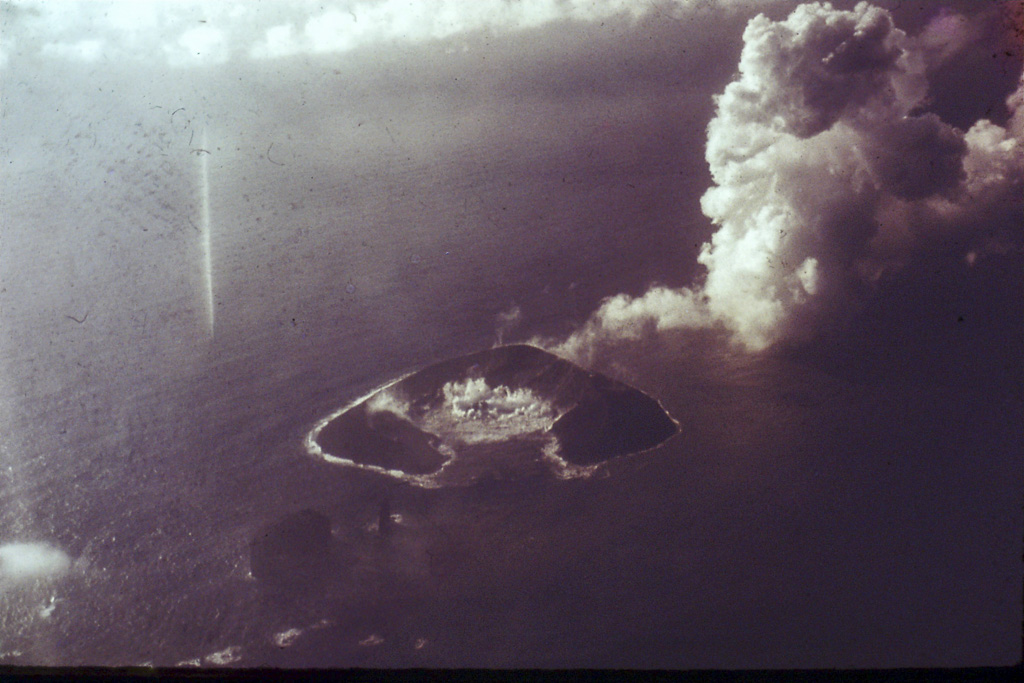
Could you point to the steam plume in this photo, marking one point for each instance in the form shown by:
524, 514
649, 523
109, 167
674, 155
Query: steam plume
507, 321
826, 177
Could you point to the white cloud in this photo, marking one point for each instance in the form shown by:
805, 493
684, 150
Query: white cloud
945, 36
279, 42
200, 45
198, 32
131, 17
824, 180
80, 51
623, 317
333, 31
994, 158
340, 30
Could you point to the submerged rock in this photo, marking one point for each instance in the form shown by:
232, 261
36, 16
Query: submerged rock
500, 410
295, 550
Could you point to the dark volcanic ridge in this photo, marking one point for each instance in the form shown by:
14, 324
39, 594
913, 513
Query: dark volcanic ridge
499, 413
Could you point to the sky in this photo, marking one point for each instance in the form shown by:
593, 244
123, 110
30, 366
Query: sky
838, 156
193, 33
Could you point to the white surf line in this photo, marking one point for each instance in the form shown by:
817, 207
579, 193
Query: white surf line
207, 264
423, 480
311, 443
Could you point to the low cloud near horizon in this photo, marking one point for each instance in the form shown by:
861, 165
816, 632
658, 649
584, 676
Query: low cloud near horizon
205, 33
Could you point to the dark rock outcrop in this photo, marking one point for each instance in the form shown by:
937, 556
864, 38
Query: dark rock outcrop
612, 422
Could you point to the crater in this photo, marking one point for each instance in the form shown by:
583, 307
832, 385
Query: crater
499, 413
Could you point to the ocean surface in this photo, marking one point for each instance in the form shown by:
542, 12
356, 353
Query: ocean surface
809, 513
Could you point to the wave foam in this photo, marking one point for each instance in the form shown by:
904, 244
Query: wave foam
286, 638
228, 655
562, 468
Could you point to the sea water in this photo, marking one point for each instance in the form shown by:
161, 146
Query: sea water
150, 451
801, 517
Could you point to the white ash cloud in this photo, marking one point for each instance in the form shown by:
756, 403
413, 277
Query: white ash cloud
827, 176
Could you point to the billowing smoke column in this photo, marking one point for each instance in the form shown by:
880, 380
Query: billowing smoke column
826, 178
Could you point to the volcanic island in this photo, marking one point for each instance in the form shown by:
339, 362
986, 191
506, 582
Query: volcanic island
495, 413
